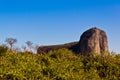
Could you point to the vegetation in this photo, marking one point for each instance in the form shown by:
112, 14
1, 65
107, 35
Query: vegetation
60, 64
11, 42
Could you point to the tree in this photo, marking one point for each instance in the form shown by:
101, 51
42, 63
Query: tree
24, 48
36, 48
11, 42
29, 45
17, 49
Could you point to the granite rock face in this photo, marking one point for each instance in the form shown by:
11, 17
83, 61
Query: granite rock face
93, 40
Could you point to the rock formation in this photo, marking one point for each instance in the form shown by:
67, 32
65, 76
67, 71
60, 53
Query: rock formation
93, 40
46, 49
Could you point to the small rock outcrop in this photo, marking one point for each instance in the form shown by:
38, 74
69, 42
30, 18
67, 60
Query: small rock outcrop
93, 40
46, 49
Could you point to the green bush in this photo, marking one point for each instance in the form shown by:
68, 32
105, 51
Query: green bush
62, 54
3, 50
60, 64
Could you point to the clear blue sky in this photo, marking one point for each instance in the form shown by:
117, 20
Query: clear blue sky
47, 22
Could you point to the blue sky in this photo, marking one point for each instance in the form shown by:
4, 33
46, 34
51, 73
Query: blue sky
47, 22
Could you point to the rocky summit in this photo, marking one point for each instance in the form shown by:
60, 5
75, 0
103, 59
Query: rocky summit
91, 41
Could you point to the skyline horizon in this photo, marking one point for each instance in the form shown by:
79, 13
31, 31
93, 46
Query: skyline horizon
58, 22
35, 44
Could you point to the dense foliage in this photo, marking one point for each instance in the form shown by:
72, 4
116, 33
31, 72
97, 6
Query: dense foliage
61, 64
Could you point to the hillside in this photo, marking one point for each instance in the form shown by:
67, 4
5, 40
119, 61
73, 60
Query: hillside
60, 64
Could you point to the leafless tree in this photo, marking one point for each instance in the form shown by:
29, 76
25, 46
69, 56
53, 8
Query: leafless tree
29, 45
17, 49
36, 48
11, 42
24, 48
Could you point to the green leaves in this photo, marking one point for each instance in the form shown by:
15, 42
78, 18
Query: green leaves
3, 50
61, 64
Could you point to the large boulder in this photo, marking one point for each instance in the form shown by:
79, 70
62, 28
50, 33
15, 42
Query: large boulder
93, 40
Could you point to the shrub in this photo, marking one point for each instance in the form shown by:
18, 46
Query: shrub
62, 54
3, 50
60, 64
